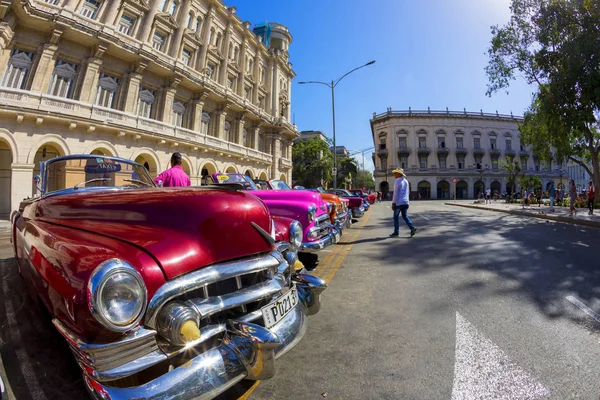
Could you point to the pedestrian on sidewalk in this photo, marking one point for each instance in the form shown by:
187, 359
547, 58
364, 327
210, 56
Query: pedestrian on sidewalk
591, 198
488, 196
174, 176
573, 197
400, 202
551, 195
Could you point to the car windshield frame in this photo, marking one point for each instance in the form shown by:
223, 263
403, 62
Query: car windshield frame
245, 180
276, 182
46, 166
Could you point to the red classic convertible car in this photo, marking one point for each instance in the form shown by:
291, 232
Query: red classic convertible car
161, 293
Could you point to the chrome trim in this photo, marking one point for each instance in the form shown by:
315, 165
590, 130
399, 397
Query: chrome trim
295, 230
322, 219
312, 210
94, 287
327, 240
249, 351
134, 352
309, 288
358, 212
206, 276
215, 304
171, 319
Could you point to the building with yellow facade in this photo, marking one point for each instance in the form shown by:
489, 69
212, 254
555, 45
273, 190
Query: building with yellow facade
141, 79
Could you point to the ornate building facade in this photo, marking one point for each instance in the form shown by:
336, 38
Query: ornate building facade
433, 147
141, 79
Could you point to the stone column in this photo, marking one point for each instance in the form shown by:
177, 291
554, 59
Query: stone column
20, 183
197, 116
220, 123
240, 131
132, 93
255, 134
111, 13
177, 41
205, 33
225, 63
90, 80
167, 109
148, 20
276, 140
256, 77
242, 77
44, 69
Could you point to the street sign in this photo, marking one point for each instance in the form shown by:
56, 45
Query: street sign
454, 180
334, 171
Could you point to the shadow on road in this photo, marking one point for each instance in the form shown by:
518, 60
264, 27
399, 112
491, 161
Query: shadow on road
543, 261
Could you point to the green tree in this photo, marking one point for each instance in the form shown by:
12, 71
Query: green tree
530, 182
364, 179
312, 163
347, 167
513, 169
553, 44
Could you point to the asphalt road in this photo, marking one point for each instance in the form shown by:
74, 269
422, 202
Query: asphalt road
475, 306
478, 305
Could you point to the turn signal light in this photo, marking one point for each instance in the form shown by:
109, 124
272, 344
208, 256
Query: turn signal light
190, 331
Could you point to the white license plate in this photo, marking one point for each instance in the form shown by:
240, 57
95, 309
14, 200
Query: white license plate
277, 310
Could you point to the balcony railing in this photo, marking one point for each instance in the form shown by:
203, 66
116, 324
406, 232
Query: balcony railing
509, 152
442, 150
479, 151
403, 151
285, 163
494, 152
423, 150
524, 154
382, 152
20, 100
445, 113
461, 150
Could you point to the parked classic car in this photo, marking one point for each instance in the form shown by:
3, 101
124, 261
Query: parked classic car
356, 205
338, 215
307, 208
370, 197
161, 292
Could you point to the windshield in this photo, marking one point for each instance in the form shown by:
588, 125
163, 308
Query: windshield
235, 178
279, 185
79, 172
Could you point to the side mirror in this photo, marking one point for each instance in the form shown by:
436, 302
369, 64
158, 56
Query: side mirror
38, 180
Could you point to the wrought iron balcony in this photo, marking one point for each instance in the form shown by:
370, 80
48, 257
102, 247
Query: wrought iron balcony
403, 151
478, 151
524, 154
423, 150
382, 152
495, 152
442, 150
509, 152
460, 150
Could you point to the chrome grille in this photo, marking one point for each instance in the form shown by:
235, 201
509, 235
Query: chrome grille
322, 219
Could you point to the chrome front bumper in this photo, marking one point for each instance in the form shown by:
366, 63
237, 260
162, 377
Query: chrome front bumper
343, 221
331, 238
248, 351
358, 212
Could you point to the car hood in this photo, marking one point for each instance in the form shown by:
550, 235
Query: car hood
184, 229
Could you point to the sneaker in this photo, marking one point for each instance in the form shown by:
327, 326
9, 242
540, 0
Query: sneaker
394, 235
413, 231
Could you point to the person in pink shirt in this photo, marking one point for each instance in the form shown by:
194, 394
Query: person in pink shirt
174, 176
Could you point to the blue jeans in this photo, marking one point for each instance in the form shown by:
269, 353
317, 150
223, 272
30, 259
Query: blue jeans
401, 209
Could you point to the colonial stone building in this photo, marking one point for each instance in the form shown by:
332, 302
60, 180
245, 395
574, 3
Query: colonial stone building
141, 79
433, 147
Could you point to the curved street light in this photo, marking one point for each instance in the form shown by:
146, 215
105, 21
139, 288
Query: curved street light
332, 86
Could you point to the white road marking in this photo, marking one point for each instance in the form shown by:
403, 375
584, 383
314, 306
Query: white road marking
483, 371
581, 305
422, 216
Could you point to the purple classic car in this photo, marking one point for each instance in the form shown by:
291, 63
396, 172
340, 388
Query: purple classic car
306, 207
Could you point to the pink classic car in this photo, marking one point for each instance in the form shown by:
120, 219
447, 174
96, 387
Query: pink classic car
305, 207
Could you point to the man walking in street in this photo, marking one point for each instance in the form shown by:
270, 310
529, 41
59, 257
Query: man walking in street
400, 202
551, 195
591, 198
174, 176
488, 196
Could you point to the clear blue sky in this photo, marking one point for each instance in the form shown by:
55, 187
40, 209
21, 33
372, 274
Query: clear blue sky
428, 52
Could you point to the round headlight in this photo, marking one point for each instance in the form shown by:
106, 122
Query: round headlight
296, 235
117, 295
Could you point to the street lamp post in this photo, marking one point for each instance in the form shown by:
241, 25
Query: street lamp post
332, 86
481, 171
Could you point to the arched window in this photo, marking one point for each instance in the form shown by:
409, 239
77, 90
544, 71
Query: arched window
218, 42
205, 123
198, 25
211, 37
236, 51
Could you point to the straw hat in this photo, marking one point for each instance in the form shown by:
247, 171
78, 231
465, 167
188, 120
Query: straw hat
399, 171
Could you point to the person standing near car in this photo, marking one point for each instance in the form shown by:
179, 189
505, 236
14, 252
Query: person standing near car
174, 176
400, 202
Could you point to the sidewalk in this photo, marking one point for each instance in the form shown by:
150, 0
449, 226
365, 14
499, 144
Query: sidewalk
4, 225
560, 214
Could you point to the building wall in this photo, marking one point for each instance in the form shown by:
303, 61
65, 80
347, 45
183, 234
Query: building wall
218, 95
419, 141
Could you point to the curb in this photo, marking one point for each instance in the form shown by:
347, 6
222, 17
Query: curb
556, 218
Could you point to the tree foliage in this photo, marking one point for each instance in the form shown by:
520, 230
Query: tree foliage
313, 163
346, 168
513, 169
530, 182
554, 44
364, 179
